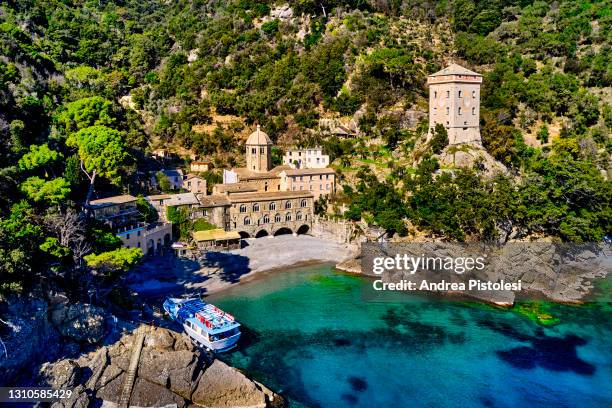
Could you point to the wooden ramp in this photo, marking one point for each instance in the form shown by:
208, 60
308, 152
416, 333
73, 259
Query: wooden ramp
130, 377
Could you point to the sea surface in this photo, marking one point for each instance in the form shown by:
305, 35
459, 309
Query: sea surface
310, 334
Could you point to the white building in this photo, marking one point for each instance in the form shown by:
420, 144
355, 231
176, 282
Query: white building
454, 101
312, 158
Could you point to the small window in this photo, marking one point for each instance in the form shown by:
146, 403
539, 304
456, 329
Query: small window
473, 110
448, 94
247, 221
127, 236
459, 110
303, 203
272, 206
474, 94
287, 205
256, 207
298, 216
288, 217
460, 94
266, 219
435, 94
242, 208
448, 110
254, 150
262, 150
277, 218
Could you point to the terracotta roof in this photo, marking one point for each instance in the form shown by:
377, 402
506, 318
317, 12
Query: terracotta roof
268, 196
158, 197
235, 187
306, 172
216, 234
182, 199
201, 162
454, 69
215, 200
246, 174
114, 200
259, 137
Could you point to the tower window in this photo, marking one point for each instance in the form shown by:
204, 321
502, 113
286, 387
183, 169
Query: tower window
435, 110
473, 110
435, 94
448, 94
254, 150
460, 93
447, 110
459, 110
474, 94
262, 150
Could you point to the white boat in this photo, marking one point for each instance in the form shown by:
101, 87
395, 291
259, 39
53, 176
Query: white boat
207, 325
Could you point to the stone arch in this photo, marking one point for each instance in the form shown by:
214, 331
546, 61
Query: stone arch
261, 233
283, 231
150, 247
244, 234
303, 229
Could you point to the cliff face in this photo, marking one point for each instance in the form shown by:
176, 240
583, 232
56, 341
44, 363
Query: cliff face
171, 371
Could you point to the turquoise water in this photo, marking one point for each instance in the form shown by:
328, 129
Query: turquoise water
309, 334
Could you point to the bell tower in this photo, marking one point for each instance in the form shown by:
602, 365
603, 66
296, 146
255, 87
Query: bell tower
454, 101
259, 152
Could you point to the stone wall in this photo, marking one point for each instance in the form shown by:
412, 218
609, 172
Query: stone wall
340, 231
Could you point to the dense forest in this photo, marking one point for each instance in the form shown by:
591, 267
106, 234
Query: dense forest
89, 87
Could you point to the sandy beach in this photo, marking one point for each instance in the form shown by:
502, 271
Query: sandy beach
217, 271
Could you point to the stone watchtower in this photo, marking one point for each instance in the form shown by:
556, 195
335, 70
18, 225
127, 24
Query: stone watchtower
454, 101
259, 152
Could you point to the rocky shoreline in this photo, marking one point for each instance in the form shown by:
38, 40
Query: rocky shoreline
556, 272
171, 372
84, 348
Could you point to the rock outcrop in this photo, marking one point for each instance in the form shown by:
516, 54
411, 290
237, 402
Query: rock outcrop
470, 156
27, 334
560, 272
79, 321
171, 372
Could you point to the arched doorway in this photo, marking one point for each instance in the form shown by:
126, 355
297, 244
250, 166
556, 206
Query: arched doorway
303, 229
150, 247
244, 235
262, 233
283, 231
167, 239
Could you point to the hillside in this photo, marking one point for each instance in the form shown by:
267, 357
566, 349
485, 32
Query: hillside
196, 76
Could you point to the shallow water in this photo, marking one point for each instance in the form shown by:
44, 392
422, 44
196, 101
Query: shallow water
310, 335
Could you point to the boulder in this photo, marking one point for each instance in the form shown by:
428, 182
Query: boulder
148, 394
171, 372
79, 321
283, 12
224, 386
64, 374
